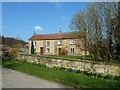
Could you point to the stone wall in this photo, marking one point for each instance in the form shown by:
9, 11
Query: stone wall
82, 65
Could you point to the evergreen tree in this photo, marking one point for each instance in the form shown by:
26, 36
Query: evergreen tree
32, 48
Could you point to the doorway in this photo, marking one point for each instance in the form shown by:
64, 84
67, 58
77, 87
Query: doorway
41, 50
59, 51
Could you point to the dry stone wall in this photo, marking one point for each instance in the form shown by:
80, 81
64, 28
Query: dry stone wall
82, 65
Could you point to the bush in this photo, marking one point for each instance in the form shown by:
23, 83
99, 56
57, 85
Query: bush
64, 51
11, 64
7, 55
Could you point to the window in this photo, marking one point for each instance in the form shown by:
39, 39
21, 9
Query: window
71, 50
47, 50
48, 43
59, 42
34, 49
72, 41
34, 43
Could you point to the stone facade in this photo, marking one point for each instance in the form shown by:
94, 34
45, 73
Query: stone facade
81, 65
53, 46
59, 43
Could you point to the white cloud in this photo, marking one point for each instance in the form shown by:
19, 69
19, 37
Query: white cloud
38, 28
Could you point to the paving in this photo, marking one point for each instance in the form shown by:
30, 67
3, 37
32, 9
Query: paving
0, 78
15, 79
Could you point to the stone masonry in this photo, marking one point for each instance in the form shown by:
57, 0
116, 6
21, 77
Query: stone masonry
82, 65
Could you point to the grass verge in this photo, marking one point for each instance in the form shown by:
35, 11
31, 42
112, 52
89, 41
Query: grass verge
69, 78
71, 57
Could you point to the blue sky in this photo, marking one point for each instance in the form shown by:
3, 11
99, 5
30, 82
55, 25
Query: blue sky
21, 19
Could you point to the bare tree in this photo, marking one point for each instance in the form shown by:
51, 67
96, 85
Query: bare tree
96, 26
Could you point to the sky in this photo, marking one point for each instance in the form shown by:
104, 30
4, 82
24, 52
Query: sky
21, 19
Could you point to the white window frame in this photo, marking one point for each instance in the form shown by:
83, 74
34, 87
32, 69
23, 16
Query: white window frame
34, 43
34, 49
47, 43
47, 50
72, 41
59, 42
72, 50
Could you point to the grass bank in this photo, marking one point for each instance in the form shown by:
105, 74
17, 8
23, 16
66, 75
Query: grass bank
69, 78
70, 57
87, 57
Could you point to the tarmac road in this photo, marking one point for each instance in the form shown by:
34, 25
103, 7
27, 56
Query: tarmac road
15, 79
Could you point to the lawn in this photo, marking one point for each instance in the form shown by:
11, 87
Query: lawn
68, 78
71, 57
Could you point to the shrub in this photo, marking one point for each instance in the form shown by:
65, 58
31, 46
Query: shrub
32, 48
64, 51
15, 50
7, 55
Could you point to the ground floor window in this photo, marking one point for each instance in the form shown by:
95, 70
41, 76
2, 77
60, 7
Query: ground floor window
71, 50
47, 50
34, 49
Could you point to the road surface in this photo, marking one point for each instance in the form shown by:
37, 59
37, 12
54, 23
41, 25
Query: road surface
15, 79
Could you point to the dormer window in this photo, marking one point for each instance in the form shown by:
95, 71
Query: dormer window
72, 41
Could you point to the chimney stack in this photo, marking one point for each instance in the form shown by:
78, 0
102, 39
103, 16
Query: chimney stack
34, 33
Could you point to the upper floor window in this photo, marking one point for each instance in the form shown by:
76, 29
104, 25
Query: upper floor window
34, 43
59, 42
72, 41
48, 43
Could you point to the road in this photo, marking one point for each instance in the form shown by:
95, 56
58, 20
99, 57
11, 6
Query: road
15, 79
0, 78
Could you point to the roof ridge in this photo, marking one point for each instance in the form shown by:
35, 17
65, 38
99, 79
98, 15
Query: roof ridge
53, 33
61, 35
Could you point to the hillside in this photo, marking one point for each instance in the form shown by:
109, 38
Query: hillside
12, 42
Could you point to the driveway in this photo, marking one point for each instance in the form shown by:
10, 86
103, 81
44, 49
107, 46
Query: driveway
15, 79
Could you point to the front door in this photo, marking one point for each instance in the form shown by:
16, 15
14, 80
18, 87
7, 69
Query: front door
41, 50
59, 51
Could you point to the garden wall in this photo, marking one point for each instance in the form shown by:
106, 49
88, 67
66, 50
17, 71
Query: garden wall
82, 65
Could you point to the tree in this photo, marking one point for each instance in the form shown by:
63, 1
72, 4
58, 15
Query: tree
12, 42
78, 23
32, 48
116, 33
98, 27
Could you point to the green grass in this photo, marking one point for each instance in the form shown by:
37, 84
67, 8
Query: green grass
69, 78
0, 62
71, 57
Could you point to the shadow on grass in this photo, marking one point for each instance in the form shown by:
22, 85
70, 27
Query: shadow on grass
9, 64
